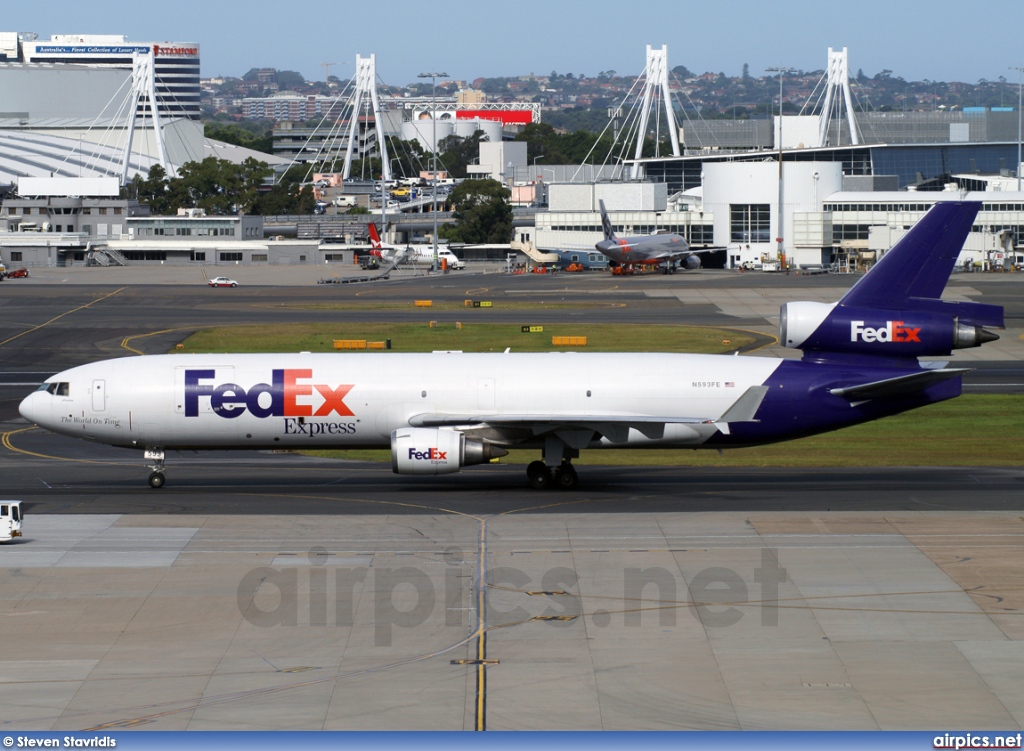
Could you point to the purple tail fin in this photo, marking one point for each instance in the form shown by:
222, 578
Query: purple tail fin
919, 265
895, 311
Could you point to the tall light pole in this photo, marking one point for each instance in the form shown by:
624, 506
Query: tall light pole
1020, 88
433, 137
781, 252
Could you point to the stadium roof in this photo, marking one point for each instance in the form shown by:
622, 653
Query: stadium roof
24, 153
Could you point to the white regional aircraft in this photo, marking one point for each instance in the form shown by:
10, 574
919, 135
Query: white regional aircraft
443, 411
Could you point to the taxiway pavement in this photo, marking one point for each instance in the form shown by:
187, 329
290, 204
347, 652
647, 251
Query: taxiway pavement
273, 591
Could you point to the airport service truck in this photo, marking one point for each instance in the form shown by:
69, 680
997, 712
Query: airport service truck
10, 520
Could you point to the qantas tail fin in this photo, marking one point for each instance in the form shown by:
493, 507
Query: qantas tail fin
606, 223
374, 237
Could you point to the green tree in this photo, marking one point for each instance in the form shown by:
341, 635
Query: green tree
286, 198
257, 135
153, 191
481, 213
214, 185
290, 79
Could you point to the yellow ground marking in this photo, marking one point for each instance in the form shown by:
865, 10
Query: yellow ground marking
57, 318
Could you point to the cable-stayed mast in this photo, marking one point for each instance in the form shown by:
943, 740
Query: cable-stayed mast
655, 85
366, 87
143, 86
838, 84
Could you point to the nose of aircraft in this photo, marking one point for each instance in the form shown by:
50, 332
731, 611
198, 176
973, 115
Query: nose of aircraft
32, 408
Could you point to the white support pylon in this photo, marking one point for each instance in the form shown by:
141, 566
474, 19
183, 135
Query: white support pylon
838, 81
143, 85
655, 80
366, 86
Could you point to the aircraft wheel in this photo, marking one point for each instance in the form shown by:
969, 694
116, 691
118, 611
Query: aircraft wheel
157, 480
565, 477
538, 475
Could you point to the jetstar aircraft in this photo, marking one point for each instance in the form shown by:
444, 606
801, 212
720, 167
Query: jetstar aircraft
443, 411
660, 249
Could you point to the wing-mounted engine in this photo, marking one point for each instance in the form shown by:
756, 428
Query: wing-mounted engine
432, 451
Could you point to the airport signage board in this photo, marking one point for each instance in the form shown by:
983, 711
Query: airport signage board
89, 49
93, 187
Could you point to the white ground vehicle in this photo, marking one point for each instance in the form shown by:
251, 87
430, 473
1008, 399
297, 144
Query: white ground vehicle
10, 520
222, 281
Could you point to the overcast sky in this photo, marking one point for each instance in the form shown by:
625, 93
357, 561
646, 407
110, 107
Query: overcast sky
942, 40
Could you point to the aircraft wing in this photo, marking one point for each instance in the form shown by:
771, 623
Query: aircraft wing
742, 410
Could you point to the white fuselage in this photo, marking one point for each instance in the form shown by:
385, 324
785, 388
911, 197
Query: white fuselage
357, 400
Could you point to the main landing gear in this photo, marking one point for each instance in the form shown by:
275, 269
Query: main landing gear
556, 470
543, 477
156, 477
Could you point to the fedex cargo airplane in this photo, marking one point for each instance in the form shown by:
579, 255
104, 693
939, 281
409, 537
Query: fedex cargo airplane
440, 412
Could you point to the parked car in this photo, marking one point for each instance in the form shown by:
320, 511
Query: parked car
222, 281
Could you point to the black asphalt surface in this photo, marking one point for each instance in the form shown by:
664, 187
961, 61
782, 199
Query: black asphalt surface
56, 474
48, 328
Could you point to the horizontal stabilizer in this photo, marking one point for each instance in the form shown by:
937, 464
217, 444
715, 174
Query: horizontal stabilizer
898, 386
744, 408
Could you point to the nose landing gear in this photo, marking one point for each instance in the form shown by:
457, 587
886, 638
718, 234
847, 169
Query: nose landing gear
156, 476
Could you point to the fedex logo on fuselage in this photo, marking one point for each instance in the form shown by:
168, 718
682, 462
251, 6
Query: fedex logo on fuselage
288, 394
432, 454
893, 331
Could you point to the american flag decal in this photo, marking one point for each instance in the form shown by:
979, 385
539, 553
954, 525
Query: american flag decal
730, 384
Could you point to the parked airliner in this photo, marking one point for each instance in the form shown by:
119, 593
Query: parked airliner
440, 412
664, 249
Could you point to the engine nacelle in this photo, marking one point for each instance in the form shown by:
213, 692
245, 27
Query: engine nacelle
692, 262
821, 327
431, 451
798, 320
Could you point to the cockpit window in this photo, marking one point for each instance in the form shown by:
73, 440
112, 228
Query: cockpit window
61, 388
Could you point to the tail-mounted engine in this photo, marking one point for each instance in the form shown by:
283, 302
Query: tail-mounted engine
929, 328
431, 451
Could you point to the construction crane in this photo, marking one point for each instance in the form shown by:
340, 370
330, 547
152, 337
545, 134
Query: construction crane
327, 71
